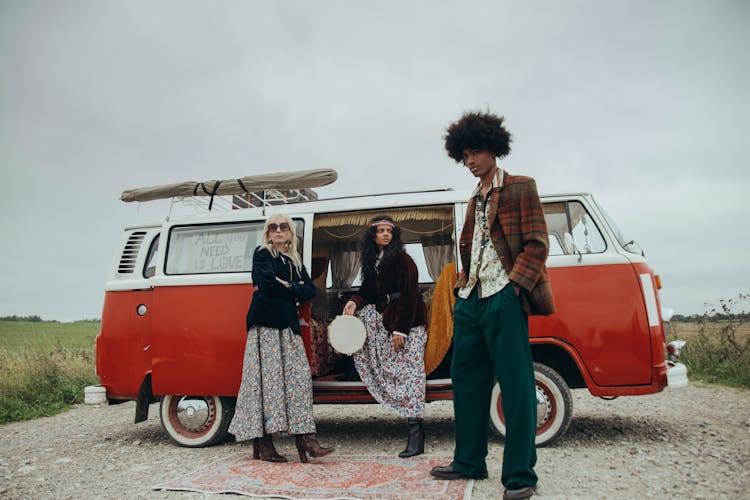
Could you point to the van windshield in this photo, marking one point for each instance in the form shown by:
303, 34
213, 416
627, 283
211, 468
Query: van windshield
626, 243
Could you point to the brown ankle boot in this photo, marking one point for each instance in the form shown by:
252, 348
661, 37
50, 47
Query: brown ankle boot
306, 443
263, 449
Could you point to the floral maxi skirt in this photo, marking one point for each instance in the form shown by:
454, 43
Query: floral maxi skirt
275, 395
396, 379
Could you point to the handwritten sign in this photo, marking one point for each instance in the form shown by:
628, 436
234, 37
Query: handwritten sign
218, 252
212, 250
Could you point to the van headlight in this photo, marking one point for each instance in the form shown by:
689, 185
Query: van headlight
674, 349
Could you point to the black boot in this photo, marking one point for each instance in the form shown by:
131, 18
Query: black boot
415, 445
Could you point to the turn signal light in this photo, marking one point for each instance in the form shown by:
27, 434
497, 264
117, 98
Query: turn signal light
657, 278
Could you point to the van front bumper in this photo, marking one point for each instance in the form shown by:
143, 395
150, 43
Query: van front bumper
94, 394
676, 375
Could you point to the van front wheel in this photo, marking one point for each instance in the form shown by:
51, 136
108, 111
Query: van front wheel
196, 421
554, 406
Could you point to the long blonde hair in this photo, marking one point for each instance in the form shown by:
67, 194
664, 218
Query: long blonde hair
291, 250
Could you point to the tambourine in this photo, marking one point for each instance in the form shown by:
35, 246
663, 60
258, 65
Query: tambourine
346, 334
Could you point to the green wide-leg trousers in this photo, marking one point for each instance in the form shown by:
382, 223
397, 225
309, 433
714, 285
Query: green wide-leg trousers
490, 339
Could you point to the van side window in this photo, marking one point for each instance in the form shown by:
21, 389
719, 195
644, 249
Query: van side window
572, 230
149, 269
212, 248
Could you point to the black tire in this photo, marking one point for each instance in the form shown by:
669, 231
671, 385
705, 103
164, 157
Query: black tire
554, 406
196, 421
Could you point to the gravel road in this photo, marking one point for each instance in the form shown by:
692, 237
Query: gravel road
682, 443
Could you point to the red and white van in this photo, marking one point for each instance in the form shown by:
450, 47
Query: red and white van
173, 322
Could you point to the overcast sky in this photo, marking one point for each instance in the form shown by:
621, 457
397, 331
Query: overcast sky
643, 103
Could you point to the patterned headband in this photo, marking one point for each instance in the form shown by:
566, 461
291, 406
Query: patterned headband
382, 222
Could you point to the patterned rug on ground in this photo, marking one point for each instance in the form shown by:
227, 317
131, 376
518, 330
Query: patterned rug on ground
332, 477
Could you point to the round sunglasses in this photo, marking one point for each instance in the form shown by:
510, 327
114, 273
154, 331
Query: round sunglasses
272, 227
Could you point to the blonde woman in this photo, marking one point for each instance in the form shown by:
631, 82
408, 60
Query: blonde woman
275, 396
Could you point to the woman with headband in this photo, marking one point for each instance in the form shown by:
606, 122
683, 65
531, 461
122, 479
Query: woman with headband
391, 362
275, 396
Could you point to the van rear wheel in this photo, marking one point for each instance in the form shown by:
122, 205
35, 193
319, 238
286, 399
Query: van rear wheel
196, 421
554, 406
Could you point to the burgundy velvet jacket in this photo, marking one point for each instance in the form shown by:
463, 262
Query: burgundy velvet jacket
397, 275
519, 235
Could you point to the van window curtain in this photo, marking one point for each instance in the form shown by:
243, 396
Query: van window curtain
345, 262
438, 251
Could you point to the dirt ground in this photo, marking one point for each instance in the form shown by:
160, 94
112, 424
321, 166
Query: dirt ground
682, 443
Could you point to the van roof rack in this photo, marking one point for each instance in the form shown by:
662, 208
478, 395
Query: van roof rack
248, 191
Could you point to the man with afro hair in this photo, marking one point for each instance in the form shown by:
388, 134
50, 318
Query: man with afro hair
503, 248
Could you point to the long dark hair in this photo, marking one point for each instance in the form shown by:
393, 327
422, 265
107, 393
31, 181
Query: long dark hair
370, 250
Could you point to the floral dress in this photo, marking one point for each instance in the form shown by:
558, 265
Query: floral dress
275, 395
396, 379
386, 303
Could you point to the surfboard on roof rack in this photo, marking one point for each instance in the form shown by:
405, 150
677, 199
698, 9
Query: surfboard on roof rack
252, 184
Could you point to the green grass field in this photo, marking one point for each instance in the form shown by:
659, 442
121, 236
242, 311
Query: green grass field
688, 331
20, 336
45, 367
717, 352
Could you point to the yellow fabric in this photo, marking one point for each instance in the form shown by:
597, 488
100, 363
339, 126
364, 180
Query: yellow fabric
440, 314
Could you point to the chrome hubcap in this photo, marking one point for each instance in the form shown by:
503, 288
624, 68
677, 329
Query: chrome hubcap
543, 407
195, 414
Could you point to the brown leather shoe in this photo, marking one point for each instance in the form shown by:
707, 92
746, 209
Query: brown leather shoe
449, 473
307, 443
519, 492
263, 449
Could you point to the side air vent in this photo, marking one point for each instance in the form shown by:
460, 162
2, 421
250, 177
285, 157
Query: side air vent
130, 253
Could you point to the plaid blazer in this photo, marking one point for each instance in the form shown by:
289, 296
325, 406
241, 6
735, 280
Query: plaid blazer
519, 234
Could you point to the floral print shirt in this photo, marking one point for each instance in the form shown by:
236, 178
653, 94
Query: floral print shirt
486, 267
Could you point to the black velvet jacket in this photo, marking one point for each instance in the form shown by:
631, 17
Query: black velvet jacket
399, 274
273, 304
